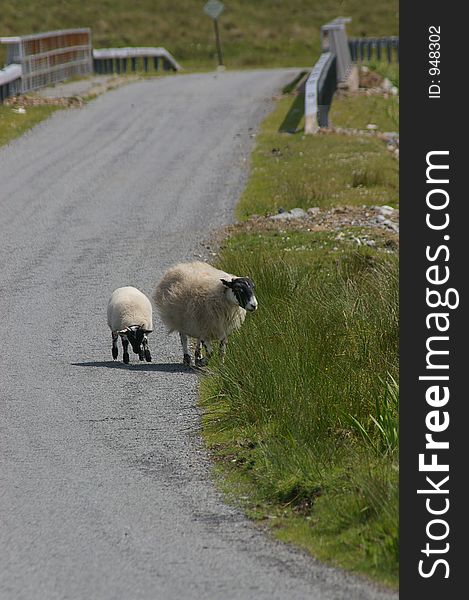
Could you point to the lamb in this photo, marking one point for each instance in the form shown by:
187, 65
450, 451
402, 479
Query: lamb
129, 315
201, 302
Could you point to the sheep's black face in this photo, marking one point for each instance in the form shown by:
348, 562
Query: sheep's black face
243, 290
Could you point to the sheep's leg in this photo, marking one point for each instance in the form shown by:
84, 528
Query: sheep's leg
115, 349
185, 349
223, 344
208, 353
125, 348
198, 353
146, 349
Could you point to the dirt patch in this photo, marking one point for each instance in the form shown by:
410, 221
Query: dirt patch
65, 94
362, 225
26, 100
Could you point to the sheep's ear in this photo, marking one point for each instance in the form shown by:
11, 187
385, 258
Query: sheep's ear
147, 330
227, 283
123, 331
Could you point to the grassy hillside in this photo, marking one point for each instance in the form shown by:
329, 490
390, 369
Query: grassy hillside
261, 33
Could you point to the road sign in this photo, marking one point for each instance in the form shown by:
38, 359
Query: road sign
214, 8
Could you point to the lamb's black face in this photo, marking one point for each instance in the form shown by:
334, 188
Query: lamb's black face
135, 337
243, 290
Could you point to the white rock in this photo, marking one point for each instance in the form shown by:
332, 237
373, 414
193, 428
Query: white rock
385, 210
386, 85
390, 225
298, 213
294, 213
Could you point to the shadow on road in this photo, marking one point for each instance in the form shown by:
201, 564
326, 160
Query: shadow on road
164, 367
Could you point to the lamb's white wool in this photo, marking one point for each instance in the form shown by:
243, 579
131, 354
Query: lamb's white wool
128, 307
199, 301
129, 314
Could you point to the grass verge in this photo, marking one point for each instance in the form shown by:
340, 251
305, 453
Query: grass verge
302, 418
14, 124
293, 170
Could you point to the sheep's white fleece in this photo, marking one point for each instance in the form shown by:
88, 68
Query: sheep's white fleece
191, 299
128, 306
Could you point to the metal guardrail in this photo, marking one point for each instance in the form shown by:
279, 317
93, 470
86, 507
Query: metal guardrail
320, 87
374, 48
10, 81
42, 59
116, 60
50, 57
333, 69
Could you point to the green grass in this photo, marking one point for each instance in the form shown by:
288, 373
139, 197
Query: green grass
13, 124
301, 383
265, 33
359, 111
302, 417
296, 170
385, 69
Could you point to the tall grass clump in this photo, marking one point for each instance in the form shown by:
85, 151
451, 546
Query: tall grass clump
306, 400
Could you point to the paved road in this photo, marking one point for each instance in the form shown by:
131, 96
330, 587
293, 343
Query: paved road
105, 489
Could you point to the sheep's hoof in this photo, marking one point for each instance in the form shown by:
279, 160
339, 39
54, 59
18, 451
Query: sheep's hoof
201, 362
126, 358
187, 360
115, 352
147, 356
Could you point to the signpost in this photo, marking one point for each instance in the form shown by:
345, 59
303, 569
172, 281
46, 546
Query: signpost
214, 8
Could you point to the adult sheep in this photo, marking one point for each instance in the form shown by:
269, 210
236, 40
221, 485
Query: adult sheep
129, 315
201, 302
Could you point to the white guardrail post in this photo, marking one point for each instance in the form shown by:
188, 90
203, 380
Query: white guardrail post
10, 81
334, 39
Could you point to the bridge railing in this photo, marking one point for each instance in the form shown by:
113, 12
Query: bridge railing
120, 60
382, 48
320, 87
333, 69
47, 58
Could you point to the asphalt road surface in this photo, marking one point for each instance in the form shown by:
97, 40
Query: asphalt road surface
105, 488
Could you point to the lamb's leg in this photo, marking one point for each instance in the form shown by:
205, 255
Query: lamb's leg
223, 344
115, 349
146, 349
185, 349
125, 347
